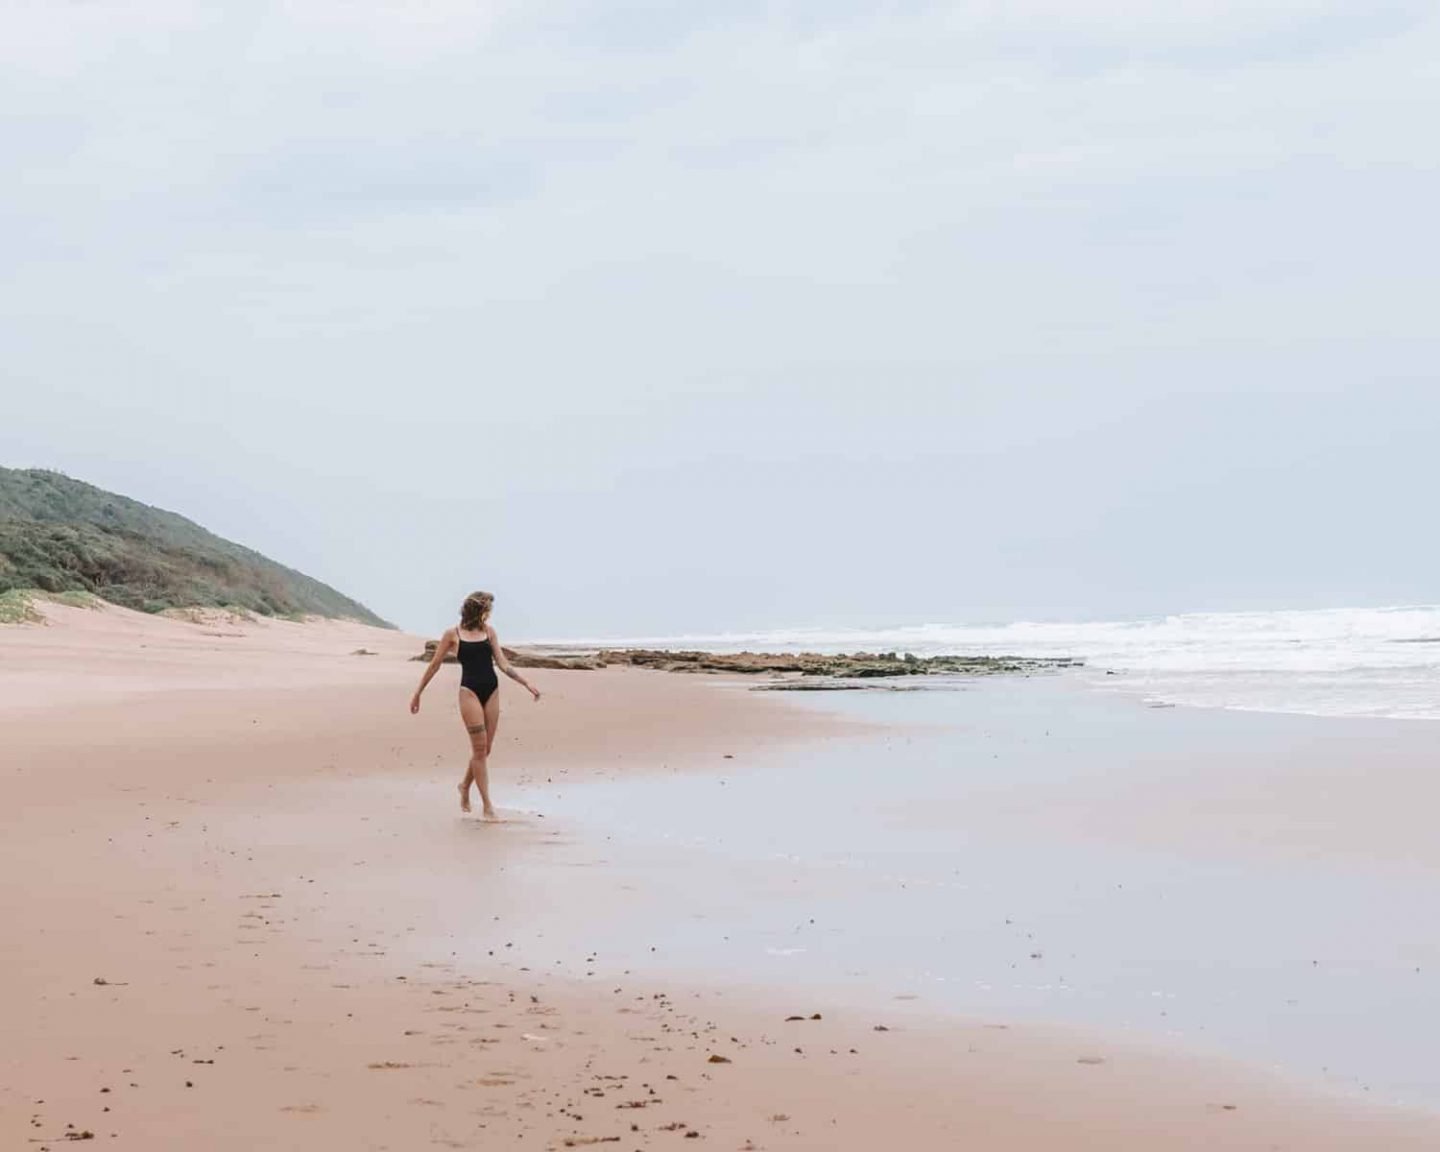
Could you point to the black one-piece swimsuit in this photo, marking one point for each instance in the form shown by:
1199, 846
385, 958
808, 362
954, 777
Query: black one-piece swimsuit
477, 668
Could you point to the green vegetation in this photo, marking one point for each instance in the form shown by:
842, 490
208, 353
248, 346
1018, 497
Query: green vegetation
75, 599
61, 536
17, 606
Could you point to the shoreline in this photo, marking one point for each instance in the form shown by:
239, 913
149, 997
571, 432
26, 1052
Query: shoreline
202, 801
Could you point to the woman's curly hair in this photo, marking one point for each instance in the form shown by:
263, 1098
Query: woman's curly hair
475, 612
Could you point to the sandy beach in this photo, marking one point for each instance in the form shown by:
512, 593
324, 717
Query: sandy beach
232, 861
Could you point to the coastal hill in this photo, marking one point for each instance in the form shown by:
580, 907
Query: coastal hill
59, 535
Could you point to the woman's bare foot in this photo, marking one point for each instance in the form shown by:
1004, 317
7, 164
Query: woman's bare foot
464, 789
490, 813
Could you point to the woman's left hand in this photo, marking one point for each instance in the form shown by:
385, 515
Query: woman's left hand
535, 692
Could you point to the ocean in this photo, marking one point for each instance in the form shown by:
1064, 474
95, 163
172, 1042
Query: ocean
1358, 662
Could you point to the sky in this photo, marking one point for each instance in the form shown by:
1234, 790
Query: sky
656, 318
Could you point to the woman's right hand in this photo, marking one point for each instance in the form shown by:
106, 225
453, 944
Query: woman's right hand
415, 704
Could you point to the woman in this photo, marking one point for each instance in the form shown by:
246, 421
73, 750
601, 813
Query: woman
478, 650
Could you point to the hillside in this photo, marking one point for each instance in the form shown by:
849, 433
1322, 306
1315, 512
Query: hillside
62, 535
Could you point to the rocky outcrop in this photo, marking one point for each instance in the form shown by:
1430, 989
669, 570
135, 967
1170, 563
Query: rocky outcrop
429, 654
787, 666
852, 666
534, 658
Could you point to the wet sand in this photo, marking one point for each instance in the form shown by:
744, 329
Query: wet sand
1000, 850
216, 937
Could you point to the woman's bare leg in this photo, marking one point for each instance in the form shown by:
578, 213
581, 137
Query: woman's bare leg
477, 770
492, 721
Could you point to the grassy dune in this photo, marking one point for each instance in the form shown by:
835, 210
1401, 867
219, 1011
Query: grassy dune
59, 535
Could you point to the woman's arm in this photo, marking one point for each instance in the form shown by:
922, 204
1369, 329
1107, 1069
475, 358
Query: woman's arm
442, 649
504, 664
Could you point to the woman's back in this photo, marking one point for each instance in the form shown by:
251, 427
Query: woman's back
477, 666
473, 652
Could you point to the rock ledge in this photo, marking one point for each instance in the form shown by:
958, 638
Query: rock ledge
848, 666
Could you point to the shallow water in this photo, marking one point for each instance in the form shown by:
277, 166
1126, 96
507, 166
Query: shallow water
905, 866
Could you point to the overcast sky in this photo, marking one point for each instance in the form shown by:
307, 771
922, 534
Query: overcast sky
654, 317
